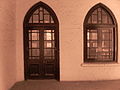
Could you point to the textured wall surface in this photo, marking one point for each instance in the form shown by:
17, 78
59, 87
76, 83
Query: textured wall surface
71, 14
7, 44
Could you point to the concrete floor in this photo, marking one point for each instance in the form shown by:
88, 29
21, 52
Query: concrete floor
55, 85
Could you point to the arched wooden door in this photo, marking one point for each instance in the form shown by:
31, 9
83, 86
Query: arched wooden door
41, 43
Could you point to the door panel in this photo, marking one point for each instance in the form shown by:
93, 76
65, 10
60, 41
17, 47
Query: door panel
42, 56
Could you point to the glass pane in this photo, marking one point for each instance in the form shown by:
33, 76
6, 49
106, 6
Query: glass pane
99, 17
49, 57
104, 19
49, 44
91, 36
47, 30
92, 44
94, 18
106, 30
35, 19
52, 21
35, 52
30, 20
36, 12
35, 36
99, 9
106, 44
53, 36
95, 12
34, 57
104, 12
30, 36
46, 12
35, 30
47, 36
41, 21
35, 44
106, 36
41, 8
48, 52
89, 20
92, 51
92, 57
110, 20
105, 49
88, 35
41, 15
105, 53
46, 19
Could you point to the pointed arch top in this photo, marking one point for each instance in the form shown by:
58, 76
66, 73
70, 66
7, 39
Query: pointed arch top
104, 10
46, 9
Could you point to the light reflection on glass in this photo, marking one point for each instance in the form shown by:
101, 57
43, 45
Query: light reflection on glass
35, 36
48, 36
49, 44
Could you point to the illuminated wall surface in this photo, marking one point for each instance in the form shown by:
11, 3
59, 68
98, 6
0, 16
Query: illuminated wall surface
7, 44
71, 15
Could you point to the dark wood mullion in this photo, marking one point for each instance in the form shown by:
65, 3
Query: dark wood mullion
31, 41
30, 50
108, 22
100, 38
114, 44
91, 18
109, 42
32, 18
97, 45
51, 44
97, 16
40, 63
50, 18
43, 16
101, 16
42, 51
39, 14
88, 41
85, 43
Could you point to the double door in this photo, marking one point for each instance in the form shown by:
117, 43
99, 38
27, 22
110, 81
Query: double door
41, 54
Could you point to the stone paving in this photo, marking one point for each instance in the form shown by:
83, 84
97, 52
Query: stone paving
56, 85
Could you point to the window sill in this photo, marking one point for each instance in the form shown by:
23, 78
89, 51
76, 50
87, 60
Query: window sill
109, 64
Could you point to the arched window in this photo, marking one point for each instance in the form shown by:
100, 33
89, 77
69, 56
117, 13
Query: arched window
41, 43
100, 35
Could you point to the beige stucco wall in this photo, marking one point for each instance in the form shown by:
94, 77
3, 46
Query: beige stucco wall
71, 14
7, 44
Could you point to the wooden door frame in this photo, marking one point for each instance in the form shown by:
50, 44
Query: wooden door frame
25, 36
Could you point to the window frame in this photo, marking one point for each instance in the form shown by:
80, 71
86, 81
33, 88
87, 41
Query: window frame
114, 26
